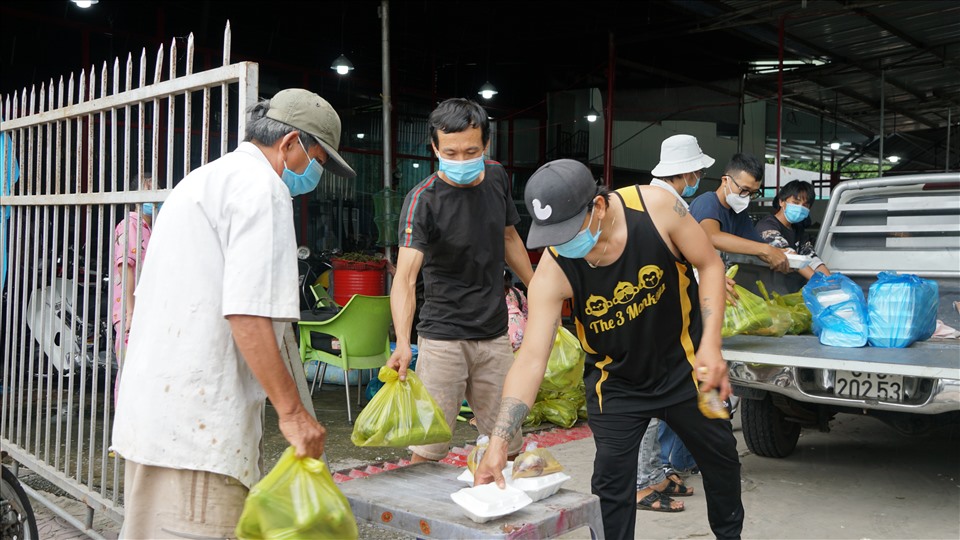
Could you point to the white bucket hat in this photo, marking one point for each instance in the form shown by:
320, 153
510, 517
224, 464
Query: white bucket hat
680, 154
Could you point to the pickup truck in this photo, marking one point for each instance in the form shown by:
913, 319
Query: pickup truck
907, 224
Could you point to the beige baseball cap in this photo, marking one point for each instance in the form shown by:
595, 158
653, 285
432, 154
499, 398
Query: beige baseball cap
311, 114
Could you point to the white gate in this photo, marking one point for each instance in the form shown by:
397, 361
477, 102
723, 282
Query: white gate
75, 154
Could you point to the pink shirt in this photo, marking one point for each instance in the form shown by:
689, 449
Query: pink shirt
127, 252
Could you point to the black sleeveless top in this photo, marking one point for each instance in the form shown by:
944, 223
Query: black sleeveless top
638, 319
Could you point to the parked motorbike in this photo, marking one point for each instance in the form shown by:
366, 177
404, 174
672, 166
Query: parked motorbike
314, 269
17, 520
69, 335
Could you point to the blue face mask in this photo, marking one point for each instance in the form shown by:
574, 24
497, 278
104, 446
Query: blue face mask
148, 209
579, 245
305, 182
795, 213
689, 191
462, 172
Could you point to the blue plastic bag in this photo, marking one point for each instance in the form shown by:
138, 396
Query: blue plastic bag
902, 309
839, 310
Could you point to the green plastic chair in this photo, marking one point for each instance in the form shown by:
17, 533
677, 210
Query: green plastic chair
362, 328
322, 297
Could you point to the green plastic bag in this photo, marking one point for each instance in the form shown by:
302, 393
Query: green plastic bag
297, 499
749, 315
401, 414
780, 322
800, 318
562, 412
565, 366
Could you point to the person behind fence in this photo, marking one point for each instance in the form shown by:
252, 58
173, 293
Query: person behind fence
786, 228
218, 288
456, 228
722, 213
130, 240
516, 310
625, 258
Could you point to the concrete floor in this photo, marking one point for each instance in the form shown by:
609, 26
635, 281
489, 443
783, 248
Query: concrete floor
861, 480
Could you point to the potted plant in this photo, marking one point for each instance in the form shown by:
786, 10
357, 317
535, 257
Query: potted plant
357, 273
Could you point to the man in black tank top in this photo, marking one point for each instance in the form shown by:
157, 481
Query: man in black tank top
651, 334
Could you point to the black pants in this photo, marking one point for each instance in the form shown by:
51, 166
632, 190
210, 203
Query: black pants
711, 443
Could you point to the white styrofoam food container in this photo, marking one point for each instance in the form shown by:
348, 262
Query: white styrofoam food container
486, 502
541, 487
467, 476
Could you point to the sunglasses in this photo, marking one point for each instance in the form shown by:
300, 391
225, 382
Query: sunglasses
744, 192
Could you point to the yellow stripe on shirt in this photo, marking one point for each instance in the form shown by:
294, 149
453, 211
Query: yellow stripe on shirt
600, 365
603, 377
581, 335
631, 197
685, 308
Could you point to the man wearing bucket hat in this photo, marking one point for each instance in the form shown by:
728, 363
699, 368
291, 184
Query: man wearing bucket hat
218, 287
625, 258
682, 165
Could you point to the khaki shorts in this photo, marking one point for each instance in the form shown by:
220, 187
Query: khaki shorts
178, 503
475, 369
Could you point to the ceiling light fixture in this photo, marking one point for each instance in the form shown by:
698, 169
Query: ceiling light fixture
361, 135
416, 165
342, 65
835, 144
592, 113
487, 91
894, 159
84, 4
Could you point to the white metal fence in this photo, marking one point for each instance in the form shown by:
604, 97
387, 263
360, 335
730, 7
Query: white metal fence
75, 154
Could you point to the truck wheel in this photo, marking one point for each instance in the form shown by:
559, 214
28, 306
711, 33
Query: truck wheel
766, 430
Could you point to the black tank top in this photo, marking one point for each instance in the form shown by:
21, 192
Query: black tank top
638, 319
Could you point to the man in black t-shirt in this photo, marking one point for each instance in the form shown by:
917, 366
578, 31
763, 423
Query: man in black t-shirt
456, 229
786, 227
650, 333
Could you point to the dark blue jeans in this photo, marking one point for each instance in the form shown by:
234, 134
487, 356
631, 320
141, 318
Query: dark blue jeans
673, 453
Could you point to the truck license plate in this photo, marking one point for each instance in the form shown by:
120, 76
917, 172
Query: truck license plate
859, 384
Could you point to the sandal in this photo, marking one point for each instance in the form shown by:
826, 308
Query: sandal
662, 501
676, 489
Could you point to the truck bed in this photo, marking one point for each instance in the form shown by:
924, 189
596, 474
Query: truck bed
931, 358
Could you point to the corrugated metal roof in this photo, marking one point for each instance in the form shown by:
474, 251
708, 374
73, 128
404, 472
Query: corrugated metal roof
911, 47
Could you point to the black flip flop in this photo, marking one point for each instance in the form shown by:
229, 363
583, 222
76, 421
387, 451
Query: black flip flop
674, 489
647, 503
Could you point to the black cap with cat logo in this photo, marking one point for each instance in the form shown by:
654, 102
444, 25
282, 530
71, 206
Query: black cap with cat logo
557, 196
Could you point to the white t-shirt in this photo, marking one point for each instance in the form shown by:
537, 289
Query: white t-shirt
223, 244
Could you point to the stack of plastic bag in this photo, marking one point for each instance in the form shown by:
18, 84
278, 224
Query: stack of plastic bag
751, 315
561, 399
838, 308
902, 309
800, 317
401, 414
297, 499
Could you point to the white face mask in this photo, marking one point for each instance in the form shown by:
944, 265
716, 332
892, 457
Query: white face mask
736, 202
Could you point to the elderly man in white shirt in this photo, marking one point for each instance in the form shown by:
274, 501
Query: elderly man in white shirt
217, 288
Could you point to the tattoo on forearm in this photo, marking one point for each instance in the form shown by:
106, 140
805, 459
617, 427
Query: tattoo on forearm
512, 414
705, 311
679, 208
